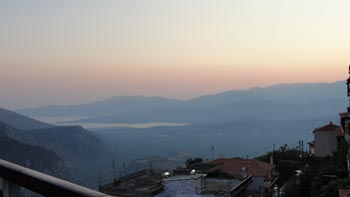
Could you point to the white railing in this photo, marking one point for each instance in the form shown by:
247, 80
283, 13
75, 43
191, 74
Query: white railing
14, 177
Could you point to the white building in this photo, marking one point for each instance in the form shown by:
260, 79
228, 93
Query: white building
326, 139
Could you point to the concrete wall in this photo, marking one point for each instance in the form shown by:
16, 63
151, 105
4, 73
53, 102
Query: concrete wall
179, 188
183, 188
325, 143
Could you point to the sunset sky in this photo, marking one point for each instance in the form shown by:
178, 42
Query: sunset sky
76, 51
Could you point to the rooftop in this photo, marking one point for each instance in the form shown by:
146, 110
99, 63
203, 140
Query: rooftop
199, 185
331, 127
237, 166
344, 115
184, 177
145, 184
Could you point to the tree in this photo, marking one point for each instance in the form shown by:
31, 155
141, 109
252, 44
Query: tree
190, 162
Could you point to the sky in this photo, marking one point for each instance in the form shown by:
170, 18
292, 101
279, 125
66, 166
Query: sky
76, 51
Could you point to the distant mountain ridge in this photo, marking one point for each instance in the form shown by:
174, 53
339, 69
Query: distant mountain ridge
121, 104
20, 121
279, 92
283, 101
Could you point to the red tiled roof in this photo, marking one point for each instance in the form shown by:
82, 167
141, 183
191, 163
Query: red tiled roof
329, 128
233, 166
344, 115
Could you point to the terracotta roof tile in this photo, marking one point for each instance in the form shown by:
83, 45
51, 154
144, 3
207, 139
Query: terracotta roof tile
329, 128
344, 115
234, 166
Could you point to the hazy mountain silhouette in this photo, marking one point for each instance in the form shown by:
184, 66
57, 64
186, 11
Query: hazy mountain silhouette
110, 106
282, 113
289, 93
284, 101
21, 122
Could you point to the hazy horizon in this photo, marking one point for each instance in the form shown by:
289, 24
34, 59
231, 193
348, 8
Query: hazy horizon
87, 101
76, 52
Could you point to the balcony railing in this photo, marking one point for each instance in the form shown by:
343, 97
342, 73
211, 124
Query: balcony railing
15, 176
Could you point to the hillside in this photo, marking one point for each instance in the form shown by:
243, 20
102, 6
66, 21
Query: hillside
78, 151
21, 122
33, 157
73, 143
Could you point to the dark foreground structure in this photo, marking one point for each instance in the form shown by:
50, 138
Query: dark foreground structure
151, 182
14, 177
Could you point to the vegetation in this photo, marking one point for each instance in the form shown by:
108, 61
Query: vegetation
190, 162
320, 176
287, 161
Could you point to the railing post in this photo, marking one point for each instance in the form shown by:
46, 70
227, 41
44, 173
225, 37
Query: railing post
10, 189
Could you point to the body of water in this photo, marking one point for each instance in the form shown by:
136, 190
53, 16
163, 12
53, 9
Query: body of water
66, 121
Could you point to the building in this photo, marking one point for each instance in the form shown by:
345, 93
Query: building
147, 183
142, 183
263, 174
192, 185
201, 185
326, 139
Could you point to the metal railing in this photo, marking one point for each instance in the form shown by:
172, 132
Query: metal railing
15, 176
242, 187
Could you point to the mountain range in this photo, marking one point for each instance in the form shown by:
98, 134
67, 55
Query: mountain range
283, 101
57, 150
21, 122
229, 120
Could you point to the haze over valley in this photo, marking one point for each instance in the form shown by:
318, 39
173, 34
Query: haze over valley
105, 93
138, 130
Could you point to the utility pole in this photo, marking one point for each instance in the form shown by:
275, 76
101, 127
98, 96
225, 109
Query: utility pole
99, 183
272, 154
212, 153
124, 167
113, 171
302, 149
247, 165
120, 177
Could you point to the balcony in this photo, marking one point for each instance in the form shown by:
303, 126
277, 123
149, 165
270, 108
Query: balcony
14, 177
